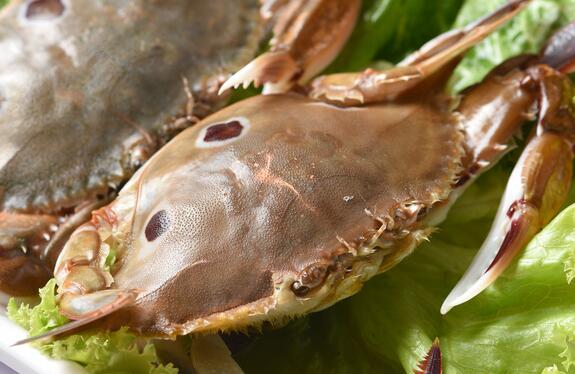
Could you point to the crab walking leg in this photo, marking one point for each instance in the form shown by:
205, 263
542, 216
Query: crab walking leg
308, 35
559, 48
376, 86
210, 354
536, 190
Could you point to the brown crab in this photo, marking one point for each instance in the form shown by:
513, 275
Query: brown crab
284, 204
88, 91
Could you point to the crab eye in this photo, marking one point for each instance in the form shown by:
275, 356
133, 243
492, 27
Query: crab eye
223, 131
158, 224
299, 289
44, 9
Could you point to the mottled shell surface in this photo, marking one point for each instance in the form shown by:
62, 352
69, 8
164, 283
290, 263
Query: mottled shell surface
82, 80
254, 194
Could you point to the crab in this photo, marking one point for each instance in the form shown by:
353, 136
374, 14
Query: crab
283, 204
88, 92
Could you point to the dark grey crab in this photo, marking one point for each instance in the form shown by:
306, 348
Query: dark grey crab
88, 91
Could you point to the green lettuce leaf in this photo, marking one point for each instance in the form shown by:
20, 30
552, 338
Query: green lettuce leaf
99, 352
523, 34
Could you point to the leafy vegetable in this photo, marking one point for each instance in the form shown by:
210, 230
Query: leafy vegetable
523, 34
42, 317
101, 352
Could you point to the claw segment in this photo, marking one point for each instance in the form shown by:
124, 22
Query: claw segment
211, 355
536, 190
433, 58
86, 309
432, 363
308, 35
275, 68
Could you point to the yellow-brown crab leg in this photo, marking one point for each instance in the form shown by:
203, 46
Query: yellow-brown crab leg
308, 35
376, 86
540, 181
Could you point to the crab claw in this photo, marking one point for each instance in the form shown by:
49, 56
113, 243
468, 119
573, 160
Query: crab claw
432, 363
536, 191
277, 68
540, 181
308, 35
84, 309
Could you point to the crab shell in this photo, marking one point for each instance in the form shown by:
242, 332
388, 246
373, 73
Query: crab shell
82, 82
274, 207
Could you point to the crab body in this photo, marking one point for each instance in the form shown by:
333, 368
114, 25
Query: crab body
88, 91
275, 190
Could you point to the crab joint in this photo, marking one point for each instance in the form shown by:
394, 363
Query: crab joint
314, 275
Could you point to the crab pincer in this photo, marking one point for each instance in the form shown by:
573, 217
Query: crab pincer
541, 179
296, 55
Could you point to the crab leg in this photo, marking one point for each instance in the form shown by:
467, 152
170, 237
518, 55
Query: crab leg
540, 180
210, 354
308, 35
375, 86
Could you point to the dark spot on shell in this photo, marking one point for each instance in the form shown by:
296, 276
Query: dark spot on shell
299, 289
44, 9
158, 224
223, 131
